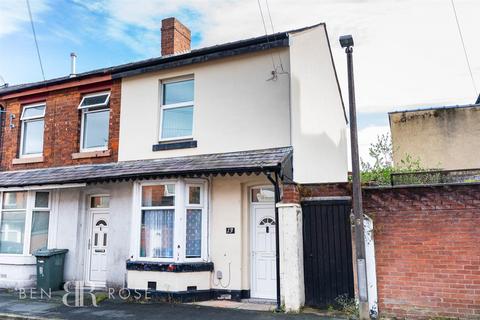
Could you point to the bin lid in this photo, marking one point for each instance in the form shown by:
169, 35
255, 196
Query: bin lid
49, 252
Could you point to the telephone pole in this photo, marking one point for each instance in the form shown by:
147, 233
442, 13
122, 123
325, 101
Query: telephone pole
347, 43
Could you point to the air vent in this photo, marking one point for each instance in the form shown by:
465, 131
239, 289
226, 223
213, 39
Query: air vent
152, 285
192, 288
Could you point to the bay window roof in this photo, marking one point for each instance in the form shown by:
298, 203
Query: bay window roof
243, 162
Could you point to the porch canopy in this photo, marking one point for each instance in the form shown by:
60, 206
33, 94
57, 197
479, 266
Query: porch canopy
276, 160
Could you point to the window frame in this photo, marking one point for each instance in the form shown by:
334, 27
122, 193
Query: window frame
25, 120
176, 106
153, 208
94, 108
180, 223
29, 208
199, 206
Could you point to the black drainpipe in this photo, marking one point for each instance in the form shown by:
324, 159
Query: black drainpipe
277, 236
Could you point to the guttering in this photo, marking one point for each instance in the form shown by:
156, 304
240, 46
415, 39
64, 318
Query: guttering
46, 186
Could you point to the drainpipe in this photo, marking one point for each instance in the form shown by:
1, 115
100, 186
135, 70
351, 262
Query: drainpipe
277, 237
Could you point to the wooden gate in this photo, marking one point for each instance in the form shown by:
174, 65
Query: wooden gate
327, 249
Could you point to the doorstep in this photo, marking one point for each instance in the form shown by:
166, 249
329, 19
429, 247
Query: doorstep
246, 304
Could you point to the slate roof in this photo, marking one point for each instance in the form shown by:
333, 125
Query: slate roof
255, 161
261, 43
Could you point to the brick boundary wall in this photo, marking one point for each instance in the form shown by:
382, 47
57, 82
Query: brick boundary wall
427, 247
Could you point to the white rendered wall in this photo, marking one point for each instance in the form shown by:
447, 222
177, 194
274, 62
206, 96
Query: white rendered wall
73, 231
291, 256
318, 122
230, 253
371, 266
236, 108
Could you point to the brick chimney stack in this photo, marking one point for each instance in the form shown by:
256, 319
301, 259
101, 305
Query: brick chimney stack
176, 37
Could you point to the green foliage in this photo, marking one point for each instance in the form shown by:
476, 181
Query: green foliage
381, 152
348, 305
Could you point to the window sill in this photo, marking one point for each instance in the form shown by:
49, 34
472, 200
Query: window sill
174, 145
169, 267
27, 160
17, 259
91, 154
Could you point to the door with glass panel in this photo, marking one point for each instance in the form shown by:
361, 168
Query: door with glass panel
98, 241
263, 229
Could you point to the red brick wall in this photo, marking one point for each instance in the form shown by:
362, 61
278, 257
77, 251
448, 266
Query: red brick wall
427, 246
175, 37
62, 128
290, 193
340, 189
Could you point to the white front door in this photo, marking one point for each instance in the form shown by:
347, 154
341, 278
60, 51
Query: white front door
98, 244
263, 251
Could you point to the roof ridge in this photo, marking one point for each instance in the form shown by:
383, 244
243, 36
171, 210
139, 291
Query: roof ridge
136, 64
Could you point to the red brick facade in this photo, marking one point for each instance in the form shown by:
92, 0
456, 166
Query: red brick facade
62, 127
290, 193
340, 189
176, 38
427, 247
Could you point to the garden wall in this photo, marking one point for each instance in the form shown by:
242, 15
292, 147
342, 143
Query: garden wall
427, 247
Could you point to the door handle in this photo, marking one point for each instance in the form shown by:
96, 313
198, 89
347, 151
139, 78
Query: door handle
89, 244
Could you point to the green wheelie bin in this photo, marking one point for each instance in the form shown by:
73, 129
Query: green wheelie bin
50, 264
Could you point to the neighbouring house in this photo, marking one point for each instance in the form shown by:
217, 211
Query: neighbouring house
440, 138
173, 174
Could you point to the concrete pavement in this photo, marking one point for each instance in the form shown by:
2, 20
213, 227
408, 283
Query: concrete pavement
13, 307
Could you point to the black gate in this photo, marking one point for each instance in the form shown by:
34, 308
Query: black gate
327, 250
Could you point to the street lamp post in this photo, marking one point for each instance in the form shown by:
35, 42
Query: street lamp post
347, 43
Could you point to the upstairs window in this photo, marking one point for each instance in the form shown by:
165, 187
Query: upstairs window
31, 142
95, 121
177, 110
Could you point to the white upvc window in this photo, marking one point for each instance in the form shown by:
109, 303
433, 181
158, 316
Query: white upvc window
33, 125
95, 122
176, 111
173, 224
24, 222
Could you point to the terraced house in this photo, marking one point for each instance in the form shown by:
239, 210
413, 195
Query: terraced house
174, 174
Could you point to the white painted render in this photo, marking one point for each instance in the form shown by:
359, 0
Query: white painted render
229, 206
318, 123
230, 253
371, 266
68, 230
291, 256
237, 109
169, 281
72, 231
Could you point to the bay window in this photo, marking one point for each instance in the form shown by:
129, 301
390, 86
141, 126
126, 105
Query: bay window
24, 221
173, 221
31, 141
177, 110
95, 121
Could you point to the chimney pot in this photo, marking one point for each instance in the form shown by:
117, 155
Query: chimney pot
73, 64
176, 37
